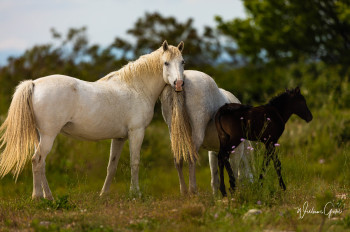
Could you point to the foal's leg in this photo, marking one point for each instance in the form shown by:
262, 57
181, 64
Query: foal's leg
277, 164
213, 163
230, 173
183, 188
135, 142
266, 163
221, 170
116, 150
40, 184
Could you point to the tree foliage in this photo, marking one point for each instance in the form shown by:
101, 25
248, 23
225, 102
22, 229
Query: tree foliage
289, 30
150, 30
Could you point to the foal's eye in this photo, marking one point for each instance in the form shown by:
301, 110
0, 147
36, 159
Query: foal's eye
183, 62
166, 63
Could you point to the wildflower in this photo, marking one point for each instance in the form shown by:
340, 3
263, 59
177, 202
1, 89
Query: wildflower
241, 118
268, 119
264, 139
252, 149
242, 139
233, 151
258, 202
277, 145
233, 147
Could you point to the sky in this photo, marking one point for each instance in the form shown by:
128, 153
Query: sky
24, 23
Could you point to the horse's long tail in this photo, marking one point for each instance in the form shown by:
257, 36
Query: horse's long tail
181, 133
18, 132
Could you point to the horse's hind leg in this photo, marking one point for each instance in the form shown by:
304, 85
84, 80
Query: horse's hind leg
242, 155
183, 188
116, 150
40, 184
198, 133
213, 163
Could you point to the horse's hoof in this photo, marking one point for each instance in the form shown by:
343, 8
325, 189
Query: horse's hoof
37, 197
192, 191
135, 194
50, 198
103, 193
183, 192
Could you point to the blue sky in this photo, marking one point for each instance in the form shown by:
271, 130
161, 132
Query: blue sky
24, 23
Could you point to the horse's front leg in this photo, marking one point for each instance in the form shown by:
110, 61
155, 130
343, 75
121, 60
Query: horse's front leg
183, 188
116, 150
135, 141
213, 163
277, 164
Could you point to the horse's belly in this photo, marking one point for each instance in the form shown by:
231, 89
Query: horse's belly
211, 140
93, 132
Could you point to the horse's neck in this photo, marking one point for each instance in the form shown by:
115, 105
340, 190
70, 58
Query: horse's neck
151, 87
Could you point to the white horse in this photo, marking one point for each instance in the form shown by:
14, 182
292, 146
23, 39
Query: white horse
202, 99
119, 106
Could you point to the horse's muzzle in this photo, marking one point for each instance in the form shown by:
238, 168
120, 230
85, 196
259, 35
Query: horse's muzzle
309, 118
178, 85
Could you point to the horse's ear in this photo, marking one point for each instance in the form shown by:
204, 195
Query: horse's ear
165, 45
297, 90
181, 46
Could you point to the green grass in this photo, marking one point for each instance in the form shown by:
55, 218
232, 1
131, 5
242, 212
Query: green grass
315, 166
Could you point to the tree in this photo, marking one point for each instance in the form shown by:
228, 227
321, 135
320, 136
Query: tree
284, 31
150, 30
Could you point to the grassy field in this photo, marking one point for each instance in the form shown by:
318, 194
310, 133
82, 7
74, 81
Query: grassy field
315, 165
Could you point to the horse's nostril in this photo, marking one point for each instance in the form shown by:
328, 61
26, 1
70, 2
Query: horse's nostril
175, 82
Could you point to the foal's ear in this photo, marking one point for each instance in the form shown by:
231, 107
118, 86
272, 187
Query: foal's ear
181, 46
165, 45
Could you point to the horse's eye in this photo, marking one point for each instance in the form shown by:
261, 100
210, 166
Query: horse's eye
182, 62
166, 63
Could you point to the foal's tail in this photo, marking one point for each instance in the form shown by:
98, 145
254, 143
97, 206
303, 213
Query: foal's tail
221, 132
181, 134
18, 132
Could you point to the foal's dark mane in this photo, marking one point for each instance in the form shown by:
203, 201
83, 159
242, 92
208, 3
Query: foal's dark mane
279, 100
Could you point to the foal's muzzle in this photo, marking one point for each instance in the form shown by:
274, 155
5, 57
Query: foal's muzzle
178, 85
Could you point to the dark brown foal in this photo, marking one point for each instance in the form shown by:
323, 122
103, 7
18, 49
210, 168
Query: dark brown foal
266, 123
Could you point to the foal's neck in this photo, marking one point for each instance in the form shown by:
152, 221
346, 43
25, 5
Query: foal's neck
283, 108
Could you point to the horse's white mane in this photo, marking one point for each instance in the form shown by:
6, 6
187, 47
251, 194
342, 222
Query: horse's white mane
147, 65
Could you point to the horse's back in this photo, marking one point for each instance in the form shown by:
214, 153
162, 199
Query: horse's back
86, 110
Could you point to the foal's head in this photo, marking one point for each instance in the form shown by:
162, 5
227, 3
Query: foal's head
173, 65
297, 104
